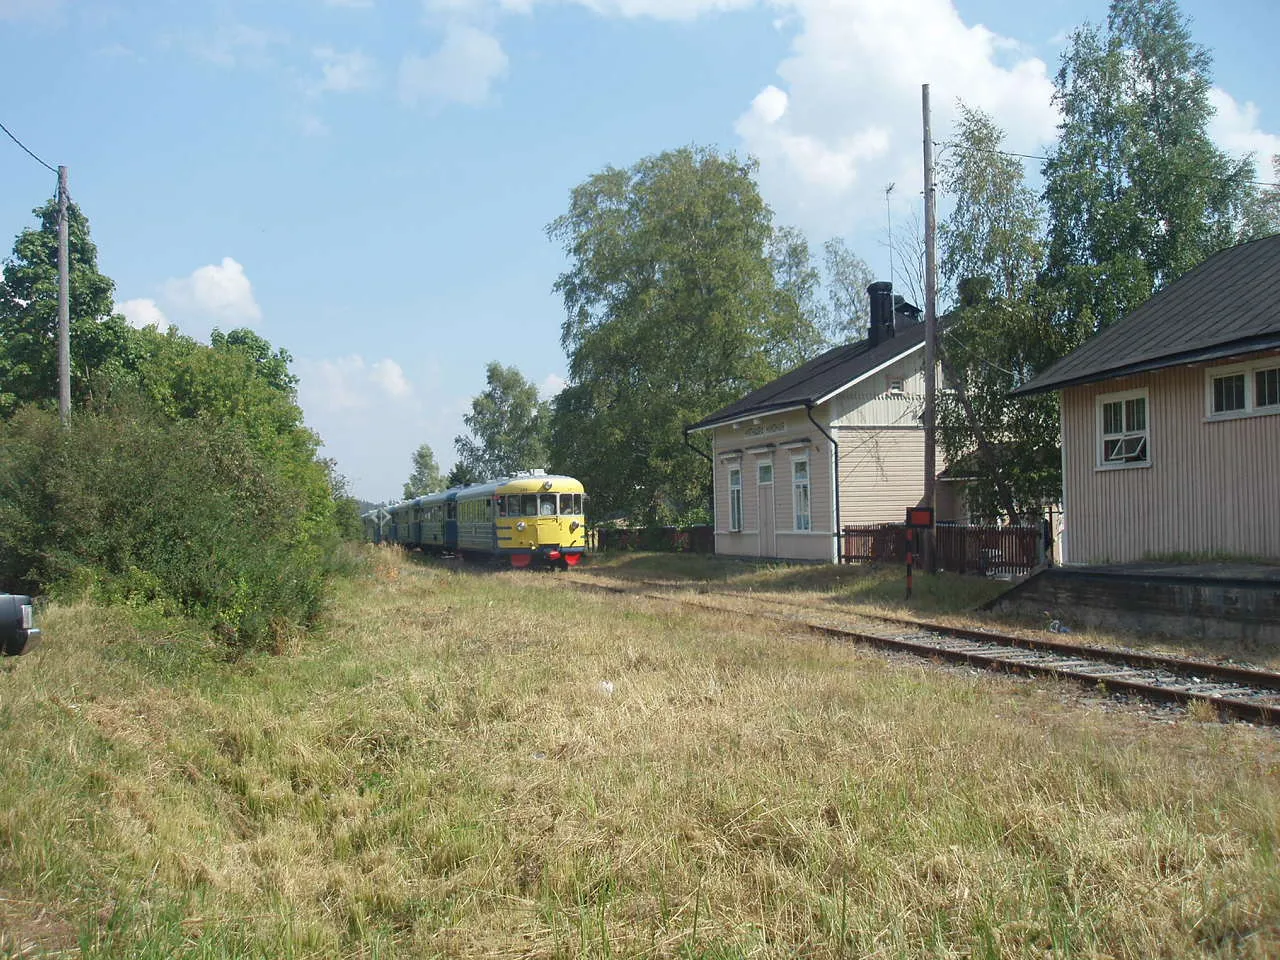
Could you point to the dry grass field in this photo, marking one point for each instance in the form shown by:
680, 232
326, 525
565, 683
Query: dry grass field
480, 764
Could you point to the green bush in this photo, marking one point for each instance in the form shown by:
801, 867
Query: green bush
178, 515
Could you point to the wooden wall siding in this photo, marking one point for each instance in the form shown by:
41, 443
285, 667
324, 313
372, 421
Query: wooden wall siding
881, 474
775, 430
1211, 486
871, 404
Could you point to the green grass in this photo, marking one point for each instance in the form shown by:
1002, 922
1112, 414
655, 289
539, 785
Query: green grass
875, 586
441, 774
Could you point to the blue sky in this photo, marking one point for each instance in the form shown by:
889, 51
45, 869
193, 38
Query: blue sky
367, 182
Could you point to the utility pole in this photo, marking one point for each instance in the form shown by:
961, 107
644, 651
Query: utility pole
930, 321
64, 303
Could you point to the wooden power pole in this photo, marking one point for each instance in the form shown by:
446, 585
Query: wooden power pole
930, 321
64, 302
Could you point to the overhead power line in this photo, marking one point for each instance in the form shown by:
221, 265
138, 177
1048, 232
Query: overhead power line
951, 144
28, 150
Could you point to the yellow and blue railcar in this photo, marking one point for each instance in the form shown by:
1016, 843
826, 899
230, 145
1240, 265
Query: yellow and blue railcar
435, 511
532, 519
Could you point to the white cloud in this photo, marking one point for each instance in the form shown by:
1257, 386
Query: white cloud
843, 117
28, 9
143, 312
846, 118
350, 384
343, 72
217, 294
666, 9
372, 417
388, 375
552, 385
312, 126
1235, 129
463, 70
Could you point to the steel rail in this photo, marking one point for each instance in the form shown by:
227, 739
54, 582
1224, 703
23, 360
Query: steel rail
1185, 683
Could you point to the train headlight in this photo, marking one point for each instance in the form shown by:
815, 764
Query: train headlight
521, 525
18, 632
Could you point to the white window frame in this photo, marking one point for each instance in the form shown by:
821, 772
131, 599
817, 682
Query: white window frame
1100, 438
1249, 371
735, 500
760, 466
802, 522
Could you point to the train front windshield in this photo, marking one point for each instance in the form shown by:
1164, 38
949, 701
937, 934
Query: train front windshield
544, 505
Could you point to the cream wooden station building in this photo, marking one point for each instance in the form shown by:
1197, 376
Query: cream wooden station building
837, 441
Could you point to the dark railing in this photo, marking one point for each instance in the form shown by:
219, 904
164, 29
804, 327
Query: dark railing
700, 539
959, 548
884, 543
989, 550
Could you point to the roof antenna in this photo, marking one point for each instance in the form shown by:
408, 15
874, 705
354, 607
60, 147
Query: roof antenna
888, 213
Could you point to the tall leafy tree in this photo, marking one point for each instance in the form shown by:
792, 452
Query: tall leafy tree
1267, 213
272, 365
100, 341
798, 300
998, 337
848, 277
672, 310
426, 476
463, 474
508, 425
1137, 192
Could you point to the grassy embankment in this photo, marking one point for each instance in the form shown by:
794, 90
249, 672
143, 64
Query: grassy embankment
443, 774
946, 598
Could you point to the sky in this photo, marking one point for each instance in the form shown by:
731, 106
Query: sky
367, 183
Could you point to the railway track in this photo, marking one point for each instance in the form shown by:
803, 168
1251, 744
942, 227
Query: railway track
1235, 692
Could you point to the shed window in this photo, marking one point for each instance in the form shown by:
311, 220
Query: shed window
1123, 434
1242, 390
1266, 389
735, 499
1228, 393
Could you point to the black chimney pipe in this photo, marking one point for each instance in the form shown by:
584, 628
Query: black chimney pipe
881, 293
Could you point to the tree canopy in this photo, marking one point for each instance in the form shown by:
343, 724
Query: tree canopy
508, 424
997, 338
185, 479
425, 477
1137, 192
29, 313
678, 300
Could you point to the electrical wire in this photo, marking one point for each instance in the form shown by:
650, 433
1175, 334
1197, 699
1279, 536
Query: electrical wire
53, 170
1031, 156
982, 360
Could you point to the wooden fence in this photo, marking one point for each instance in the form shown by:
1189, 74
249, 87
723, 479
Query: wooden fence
699, 539
959, 548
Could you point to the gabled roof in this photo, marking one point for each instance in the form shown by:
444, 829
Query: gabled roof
820, 378
1228, 305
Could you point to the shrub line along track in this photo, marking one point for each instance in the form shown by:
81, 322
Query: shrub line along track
1236, 692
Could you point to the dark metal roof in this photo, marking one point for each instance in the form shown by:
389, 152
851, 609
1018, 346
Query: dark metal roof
820, 377
1228, 305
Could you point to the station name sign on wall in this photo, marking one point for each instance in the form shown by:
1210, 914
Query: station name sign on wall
764, 429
